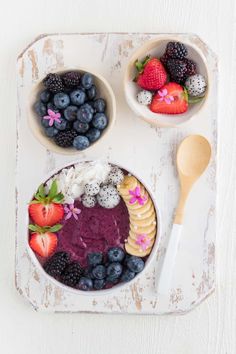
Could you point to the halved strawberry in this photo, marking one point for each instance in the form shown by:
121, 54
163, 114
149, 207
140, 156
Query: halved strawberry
172, 98
152, 74
46, 210
43, 241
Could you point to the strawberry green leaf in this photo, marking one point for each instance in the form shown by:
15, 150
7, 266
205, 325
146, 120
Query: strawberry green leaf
194, 100
58, 198
53, 190
55, 228
33, 228
141, 64
35, 201
41, 191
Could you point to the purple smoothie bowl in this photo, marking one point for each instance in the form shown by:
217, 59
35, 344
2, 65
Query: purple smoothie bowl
100, 222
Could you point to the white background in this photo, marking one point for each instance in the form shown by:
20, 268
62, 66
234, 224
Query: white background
211, 327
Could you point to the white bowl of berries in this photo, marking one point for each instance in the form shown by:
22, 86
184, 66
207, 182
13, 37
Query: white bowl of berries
166, 82
71, 111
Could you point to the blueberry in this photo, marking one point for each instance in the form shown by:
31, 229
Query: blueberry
80, 127
45, 96
93, 134
78, 97
114, 270
127, 275
51, 106
51, 132
94, 258
45, 123
92, 92
99, 121
64, 124
85, 284
98, 284
85, 113
88, 273
87, 81
135, 264
81, 142
70, 113
91, 103
61, 100
40, 109
115, 254
127, 257
99, 272
99, 105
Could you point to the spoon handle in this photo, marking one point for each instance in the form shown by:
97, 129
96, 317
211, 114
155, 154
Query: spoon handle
165, 278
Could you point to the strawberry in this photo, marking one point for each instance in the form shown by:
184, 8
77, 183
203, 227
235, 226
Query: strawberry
152, 74
47, 210
43, 240
170, 99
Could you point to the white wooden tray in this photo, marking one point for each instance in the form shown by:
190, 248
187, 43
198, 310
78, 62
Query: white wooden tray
149, 151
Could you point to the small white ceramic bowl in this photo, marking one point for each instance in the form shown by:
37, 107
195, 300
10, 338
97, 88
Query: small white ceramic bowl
104, 91
156, 48
151, 257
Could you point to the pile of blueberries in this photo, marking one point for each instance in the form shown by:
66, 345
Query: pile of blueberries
82, 114
104, 273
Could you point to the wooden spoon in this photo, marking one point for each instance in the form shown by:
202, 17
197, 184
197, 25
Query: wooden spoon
193, 157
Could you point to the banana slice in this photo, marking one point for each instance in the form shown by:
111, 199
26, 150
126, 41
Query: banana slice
143, 230
134, 252
134, 245
129, 182
144, 221
140, 216
133, 235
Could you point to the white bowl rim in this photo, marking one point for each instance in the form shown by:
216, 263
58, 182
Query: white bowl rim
119, 286
153, 121
72, 151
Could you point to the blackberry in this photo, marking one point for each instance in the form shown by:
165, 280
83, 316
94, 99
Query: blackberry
177, 70
72, 274
71, 79
65, 138
53, 83
176, 50
164, 59
56, 264
191, 67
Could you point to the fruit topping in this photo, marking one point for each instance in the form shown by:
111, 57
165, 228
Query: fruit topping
85, 113
99, 105
144, 97
151, 73
108, 197
115, 254
72, 274
53, 83
176, 50
114, 271
81, 142
71, 79
71, 210
85, 284
191, 67
55, 265
92, 188
135, 264
177, 70
65, 138
196, 85
43, 240
78, 97
127, 275
99, 272
115, 176
88, 201
171, 99
87, 81
46, 209
98, 284
100, 121
95, 258
61, 100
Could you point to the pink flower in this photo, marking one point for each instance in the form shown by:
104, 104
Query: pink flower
70, 210
136, 196
143, 241
164, 96
53, 117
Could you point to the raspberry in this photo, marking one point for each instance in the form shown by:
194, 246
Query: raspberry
176, 50
65, 138
177, 70
72, 274
56, 264
71, 79
53, 83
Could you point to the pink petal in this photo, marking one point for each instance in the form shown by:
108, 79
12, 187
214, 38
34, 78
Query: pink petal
51, 121
68, 216
50, 112
57, 115
47, 117
160, 93
77, 211
160, 99
132, 192
171, 98
75, 216
167, 100
164, 91
67, 210
133, 200
137, 191
71, 206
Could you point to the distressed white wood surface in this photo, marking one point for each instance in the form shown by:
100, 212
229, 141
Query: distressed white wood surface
148, 152
210, 328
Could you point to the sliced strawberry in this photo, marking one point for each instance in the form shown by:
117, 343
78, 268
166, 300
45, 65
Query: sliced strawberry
43, 244
170, 99
43, 240
47, 210
46, 214
152, 74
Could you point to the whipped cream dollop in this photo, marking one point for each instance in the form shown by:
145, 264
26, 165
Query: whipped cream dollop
71, 181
